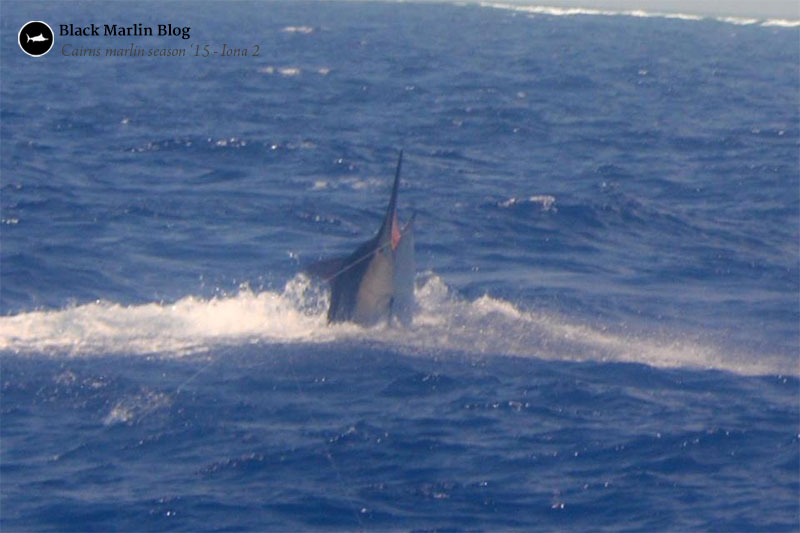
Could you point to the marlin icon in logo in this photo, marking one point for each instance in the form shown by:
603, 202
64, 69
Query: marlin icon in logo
37, 39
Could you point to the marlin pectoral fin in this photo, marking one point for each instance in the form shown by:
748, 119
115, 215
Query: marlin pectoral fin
410, 223
327, 268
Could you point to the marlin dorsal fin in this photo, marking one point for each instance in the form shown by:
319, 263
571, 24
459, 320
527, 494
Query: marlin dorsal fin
391, 211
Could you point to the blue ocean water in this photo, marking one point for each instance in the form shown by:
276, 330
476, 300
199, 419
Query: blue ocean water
608, 229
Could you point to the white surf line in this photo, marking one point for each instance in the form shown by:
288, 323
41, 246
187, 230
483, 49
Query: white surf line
588, 11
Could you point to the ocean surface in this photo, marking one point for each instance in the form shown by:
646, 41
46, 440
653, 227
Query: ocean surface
607, 327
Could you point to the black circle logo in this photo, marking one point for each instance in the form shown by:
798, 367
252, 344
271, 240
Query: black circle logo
35, 38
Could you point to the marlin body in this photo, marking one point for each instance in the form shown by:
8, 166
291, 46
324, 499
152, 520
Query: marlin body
376, 281
37, 39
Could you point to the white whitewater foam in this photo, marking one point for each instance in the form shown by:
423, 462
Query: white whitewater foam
443, 321
186, 326
298, 29
738, 21
546, 201
572, 11
783, 23
134, 407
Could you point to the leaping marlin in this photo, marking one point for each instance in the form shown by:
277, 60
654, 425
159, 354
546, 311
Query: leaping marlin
375, 282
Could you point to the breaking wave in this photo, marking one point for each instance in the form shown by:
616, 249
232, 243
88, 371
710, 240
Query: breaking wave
444, 321
572, 11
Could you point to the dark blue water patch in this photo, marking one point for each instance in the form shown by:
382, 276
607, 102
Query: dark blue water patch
421, 384
405, 458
